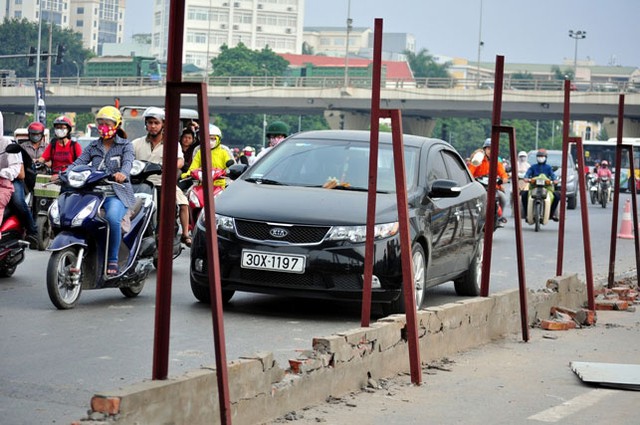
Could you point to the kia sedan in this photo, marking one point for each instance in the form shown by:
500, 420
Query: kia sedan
294, 222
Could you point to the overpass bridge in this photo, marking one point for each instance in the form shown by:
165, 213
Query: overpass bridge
420, 100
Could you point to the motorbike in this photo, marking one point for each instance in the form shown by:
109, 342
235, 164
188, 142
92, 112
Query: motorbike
539, 201
498, 219
79, 249
195, 193
12, 232
604, 191
592, 187
44, 193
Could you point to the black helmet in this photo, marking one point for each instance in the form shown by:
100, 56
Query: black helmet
277, 128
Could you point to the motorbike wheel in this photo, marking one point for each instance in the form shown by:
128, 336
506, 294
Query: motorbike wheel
603, 200
133, 290
7, 271
469, 284
44, 232
537, 215
594, 197
419, 281
202, 294
62, 292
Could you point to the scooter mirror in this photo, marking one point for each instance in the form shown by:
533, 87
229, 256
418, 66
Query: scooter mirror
13, 148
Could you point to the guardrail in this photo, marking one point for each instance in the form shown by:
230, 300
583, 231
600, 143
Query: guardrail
336, 82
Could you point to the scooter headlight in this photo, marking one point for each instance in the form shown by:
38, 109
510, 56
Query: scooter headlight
193, 199
54, 213
84, 213
78, 178
137, 167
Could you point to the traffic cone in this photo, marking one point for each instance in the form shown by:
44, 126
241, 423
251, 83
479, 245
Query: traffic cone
626, 228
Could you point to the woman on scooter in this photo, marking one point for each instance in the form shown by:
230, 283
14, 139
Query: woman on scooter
62, 151
113, 153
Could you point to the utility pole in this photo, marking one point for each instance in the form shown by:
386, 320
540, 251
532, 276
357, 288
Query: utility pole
346, 53
35, 106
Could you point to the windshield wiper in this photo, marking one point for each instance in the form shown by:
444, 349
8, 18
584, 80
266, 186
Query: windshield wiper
260, 180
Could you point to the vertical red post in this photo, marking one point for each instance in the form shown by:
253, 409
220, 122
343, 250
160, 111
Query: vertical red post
373, 173
586, 234
493, 174
634, 203
562, 205
616, 193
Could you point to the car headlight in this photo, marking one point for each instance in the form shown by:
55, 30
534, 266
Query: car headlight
225, 223
357, 234
54, 213
84, 213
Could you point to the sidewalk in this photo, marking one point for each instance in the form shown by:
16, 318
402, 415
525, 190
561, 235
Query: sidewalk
505, 382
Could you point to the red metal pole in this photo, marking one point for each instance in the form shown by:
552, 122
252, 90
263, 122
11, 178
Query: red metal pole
563, 187
167, 209
586, 234
405, 247
616, 193
634, 203
373, 173
493, 173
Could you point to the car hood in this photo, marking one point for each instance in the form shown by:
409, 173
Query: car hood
302, 205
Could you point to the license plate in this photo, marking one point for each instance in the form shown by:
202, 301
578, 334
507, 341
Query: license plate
273, 262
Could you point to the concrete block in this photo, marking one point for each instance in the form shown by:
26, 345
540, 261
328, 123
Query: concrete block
388, 334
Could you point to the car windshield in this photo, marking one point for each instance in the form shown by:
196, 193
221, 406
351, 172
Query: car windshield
336, 164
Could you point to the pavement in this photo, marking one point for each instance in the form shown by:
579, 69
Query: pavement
505, 382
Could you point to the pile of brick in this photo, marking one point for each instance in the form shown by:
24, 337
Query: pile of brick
622, 296
563, 319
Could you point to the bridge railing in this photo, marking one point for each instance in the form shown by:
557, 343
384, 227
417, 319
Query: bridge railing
257, 82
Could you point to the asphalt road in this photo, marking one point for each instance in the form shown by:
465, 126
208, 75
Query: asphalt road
54, 361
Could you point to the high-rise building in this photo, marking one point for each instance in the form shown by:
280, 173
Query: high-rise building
209, 24
99, 21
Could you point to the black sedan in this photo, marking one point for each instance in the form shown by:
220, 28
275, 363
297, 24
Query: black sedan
294, 222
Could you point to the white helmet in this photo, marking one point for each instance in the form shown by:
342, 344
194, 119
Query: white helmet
214, 130
154, 112
522, 153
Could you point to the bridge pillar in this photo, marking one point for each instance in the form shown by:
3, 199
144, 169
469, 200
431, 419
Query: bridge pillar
346, 120
13, 121
631, 127
418, 126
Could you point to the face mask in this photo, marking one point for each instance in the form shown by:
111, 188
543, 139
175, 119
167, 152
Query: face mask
541, 159
61, 133
106, 132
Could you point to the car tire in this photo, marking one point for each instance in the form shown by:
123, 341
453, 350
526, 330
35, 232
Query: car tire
203, 295
419, 258
469, 284
572, 202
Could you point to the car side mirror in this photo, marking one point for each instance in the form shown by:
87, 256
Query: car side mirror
229, 163
444, 189
236, 171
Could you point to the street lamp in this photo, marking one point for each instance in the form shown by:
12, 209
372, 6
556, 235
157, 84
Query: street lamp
77, 70
346, 55
480, 44
576, 35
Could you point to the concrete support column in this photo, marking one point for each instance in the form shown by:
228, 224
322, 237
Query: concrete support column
631, 127
346, 120
13, 121
418, 126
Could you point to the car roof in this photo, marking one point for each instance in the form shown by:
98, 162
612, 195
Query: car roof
364, 136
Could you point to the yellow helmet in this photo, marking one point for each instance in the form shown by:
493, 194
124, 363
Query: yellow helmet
110, 113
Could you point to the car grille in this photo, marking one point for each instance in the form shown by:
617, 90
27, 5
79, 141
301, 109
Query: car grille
259, 231
345, 282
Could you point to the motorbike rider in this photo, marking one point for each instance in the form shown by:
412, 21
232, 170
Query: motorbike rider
62, 151
26, 179
10, 166
604, 171
188, 146
275, 133
219, 155
37, 144
150, 148
112, 153
541, 167
481, 168
247, 157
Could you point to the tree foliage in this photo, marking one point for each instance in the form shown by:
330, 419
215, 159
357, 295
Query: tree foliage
19, 35
242, 61
424, 65
562, 74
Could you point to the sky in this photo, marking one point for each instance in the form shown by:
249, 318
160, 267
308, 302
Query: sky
523, 31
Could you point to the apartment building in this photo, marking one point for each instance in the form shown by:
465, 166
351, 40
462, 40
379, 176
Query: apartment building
99, 21
209, 24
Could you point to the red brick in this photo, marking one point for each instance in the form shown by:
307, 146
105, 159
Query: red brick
557, 325
611, 305
108, 405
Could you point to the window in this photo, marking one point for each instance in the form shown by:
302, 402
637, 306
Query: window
457, 170
79, 23
436, 169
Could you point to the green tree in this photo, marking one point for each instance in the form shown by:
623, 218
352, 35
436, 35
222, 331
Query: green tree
18, 35
562, 74
242, 61
424, 65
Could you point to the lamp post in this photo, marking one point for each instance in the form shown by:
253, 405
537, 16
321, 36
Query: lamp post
480, 44
576, 35
346, 53
77, 70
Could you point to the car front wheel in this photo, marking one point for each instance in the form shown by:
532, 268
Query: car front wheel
419, 281
469, 283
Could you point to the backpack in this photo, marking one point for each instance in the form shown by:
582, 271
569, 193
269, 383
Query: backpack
73, 149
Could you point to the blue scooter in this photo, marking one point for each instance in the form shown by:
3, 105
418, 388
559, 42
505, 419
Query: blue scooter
79, 249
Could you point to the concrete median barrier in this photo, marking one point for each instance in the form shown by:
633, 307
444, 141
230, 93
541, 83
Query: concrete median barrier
261, 390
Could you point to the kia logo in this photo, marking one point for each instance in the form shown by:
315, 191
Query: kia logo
278, 232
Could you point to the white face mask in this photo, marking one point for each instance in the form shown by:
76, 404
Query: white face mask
541, 159
60, 132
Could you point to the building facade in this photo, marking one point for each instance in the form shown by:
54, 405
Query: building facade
209, 24
99, 21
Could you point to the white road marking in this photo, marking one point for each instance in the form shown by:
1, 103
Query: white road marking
572, 406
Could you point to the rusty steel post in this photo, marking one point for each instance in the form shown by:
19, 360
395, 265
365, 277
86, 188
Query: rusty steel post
563, 187
634, 203
493, 173
616, 193
586, 234
373, 174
